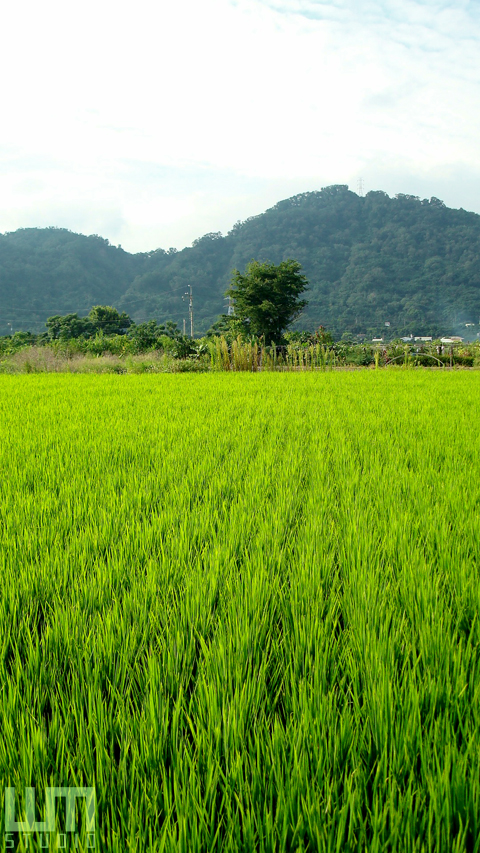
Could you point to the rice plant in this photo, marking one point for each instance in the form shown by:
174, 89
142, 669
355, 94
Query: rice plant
244, 607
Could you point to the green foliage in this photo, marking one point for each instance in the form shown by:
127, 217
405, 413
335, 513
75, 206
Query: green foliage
108, 320
146, 335
267, 299
410, 262
69, 327
52, 271
244, 607
183, 346
222, 327
102, 319
12, 343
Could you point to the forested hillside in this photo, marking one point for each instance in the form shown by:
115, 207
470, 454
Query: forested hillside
370, 260
45, 271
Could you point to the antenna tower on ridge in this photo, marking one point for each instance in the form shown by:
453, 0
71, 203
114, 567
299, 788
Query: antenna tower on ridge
360, 187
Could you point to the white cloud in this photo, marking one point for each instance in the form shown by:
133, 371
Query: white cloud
148, 122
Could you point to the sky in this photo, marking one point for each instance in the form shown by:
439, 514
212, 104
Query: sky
153, 123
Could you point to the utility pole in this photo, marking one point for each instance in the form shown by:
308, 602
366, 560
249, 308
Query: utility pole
184, 327
189, 293
190, 310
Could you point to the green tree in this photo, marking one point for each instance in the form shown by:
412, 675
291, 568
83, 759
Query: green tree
64, 328
267, 298
222, 326
108, 320
146, 335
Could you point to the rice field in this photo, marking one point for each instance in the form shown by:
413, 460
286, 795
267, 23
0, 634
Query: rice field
244, 608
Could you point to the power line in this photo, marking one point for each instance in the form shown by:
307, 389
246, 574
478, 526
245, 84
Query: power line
41, 315
172, 290
120, 300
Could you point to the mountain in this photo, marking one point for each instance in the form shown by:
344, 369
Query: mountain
370, 260
46, 271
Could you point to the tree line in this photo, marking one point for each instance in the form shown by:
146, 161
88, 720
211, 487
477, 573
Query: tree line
266, 299
406, 261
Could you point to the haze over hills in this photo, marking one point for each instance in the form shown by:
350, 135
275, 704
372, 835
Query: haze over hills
369, 260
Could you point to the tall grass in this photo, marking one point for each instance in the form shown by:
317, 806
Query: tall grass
34, 359
118, 355
252, 356
245, 607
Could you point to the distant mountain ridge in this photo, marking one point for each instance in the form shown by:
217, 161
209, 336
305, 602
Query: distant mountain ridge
371, 260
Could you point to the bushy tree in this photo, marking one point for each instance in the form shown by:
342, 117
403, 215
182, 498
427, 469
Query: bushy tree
108, 320
64, 328
102, 318
267, 298
148, 335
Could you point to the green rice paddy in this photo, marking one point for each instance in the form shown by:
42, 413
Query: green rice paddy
244, 608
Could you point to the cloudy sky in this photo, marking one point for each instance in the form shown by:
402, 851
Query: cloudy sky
152, 123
